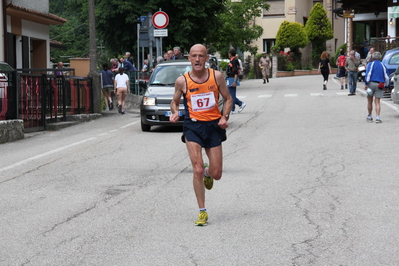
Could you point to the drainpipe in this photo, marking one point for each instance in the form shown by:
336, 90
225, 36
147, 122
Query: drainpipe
5, 30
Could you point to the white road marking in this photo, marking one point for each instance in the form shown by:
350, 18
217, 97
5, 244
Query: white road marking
60, 149
291, 95
131, 124
44, 154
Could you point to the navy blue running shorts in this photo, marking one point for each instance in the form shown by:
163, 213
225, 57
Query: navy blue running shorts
208, 134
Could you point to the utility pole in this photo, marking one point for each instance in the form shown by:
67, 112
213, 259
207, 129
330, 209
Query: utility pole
96, 84
92, 37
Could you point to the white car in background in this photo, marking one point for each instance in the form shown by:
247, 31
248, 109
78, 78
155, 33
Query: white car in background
395, 90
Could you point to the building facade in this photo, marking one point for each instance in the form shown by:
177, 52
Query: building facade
357, 23
297, 11
25, 28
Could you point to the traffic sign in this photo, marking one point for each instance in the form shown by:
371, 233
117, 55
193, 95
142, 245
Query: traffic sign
160, 20
161, 33
143, 18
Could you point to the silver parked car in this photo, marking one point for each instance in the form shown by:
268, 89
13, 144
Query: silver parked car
155, 104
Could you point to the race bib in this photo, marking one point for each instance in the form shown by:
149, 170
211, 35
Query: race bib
203, 101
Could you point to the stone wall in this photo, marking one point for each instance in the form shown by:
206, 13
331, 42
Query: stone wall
11, 130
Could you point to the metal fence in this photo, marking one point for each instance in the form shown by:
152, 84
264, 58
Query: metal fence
38, 97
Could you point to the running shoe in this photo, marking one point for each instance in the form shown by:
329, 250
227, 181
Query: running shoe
119, 108
378, 120
202, 219
111, 106
369, 119
242, 107
208, 181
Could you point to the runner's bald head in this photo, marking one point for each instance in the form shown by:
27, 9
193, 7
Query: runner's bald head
198, 47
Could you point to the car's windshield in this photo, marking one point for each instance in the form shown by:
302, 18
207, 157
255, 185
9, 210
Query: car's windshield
5, 67
167, 75
394, 59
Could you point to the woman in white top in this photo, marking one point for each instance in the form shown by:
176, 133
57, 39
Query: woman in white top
121, 89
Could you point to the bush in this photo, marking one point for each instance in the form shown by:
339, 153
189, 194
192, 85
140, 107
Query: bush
285, 61
223, 65
251, 73
247, 66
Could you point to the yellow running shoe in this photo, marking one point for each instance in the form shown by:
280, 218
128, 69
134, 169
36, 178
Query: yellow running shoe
208, 181
202, 219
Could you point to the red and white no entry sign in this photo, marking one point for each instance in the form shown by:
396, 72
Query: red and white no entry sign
160, 20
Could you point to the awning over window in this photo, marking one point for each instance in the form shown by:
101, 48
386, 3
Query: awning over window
394, 12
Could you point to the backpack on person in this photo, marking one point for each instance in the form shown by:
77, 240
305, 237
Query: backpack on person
341, 61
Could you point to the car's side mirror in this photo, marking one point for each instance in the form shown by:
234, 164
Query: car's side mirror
143, 84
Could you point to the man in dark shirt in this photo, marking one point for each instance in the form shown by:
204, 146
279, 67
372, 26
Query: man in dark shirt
233, 70
127, 65
177, 53
129, 58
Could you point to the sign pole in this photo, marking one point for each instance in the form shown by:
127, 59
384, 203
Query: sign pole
138, 46
151, 38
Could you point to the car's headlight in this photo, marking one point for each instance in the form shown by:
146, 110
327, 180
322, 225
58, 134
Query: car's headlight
148, 101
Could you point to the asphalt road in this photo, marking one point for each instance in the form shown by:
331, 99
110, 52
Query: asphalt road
307, 181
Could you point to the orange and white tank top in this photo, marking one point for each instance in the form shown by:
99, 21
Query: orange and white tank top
201, 99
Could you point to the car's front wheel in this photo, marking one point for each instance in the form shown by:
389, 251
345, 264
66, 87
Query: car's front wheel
145, 127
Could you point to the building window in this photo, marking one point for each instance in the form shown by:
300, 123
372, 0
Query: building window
276, 8
267, 44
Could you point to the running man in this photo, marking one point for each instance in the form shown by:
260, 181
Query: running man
204, 124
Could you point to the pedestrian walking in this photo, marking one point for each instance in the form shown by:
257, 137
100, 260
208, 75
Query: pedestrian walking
107, 86
352, 62
204, 124
232, 79
376, 80
121, 84
324, 68
342, 73
265, 64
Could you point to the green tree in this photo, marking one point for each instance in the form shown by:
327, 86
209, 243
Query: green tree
292, 35
236, 26
319, 29
189, 22
74, 34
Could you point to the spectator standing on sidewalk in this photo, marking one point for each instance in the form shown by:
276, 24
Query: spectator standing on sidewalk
129, 58
352, 62
127, 66
376, 80
324, 68
107, 86
369, 57
232, 73
177, 53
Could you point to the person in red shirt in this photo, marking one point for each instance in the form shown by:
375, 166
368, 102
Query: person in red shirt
204, 125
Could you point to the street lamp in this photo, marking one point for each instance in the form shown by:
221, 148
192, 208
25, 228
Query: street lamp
391, 21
